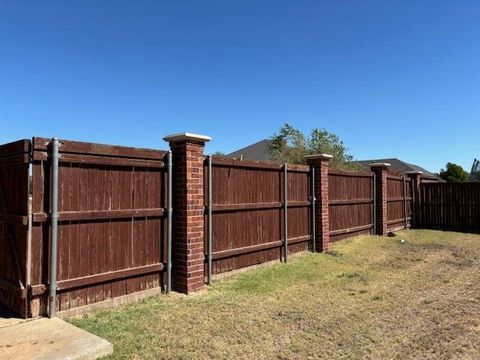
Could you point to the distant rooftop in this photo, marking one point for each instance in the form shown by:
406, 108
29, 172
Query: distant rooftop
397, 165
260, 151
257, 151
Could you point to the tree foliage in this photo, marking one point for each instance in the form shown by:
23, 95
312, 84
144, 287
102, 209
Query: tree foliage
290, 145
453, 173
218, 154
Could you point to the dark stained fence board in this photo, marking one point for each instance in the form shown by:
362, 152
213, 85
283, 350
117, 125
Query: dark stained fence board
99, 150
100, 214
101, 160
12, 149
350, 204
355, 174
261, 165
449, 206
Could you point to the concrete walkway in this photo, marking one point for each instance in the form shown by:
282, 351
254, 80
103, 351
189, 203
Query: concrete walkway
50, 339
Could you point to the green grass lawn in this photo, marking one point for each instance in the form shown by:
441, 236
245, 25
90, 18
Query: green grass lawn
368, 298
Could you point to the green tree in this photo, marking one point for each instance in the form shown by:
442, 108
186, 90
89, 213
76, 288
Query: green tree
453, 173
291, 145
218, 154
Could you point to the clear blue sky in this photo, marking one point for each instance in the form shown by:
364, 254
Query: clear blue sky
391, 78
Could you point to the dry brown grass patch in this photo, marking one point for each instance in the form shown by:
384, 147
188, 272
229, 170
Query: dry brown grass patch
368, 298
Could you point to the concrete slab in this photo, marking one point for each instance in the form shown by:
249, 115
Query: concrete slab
51, 339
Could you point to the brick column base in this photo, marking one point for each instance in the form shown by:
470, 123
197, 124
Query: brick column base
320, 164
188, 254
381, 170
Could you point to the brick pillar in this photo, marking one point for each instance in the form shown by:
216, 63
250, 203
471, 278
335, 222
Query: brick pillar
188, 254
320, 164
415, 178
381, 170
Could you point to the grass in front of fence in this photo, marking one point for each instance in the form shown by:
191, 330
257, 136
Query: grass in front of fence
369, 297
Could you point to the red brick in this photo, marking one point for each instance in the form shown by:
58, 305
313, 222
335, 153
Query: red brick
188, 237
381, 195
322, 227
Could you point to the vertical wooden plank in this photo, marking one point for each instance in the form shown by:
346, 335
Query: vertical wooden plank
92, 245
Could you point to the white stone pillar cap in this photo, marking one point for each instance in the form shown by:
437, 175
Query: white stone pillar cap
379, 164
319, 157
186, 136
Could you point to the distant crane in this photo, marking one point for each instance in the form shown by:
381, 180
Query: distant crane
475, 173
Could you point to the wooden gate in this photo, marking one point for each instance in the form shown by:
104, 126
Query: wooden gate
111, 222
14, 159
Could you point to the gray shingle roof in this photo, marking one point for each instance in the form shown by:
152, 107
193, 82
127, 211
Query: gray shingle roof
260, 151
257, 151
397, 165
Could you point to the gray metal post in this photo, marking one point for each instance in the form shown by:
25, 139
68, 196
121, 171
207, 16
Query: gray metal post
169, 223
313, 209
285, 212
405, 202
210, 230
413, 184
374, 204
52, 295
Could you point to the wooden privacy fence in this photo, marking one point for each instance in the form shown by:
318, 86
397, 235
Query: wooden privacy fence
449, 206
111, 222
114, 232
251, 209
351, 203
399, 202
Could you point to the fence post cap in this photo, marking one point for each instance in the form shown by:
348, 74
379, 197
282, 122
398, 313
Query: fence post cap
186, 136
414, 172
319, 157
380, 165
